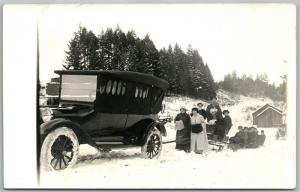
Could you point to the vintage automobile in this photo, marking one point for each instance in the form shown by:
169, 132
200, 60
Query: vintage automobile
105, 109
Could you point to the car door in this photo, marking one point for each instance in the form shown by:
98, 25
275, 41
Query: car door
110, 114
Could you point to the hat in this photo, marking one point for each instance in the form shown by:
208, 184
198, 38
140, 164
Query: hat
182, 107
200, 104
225, 111
195, 109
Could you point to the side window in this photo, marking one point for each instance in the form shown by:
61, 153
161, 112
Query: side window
114, 88
108, 87
123, 88
119, 88
145, 93
102, 86
141, 92
136, 92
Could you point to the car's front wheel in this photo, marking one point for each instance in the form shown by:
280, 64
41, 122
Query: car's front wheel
59, 149
153, 144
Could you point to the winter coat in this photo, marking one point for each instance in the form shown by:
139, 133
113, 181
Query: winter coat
217, 115
183, 136
227, 123
240, 138
203, 113
252, 139
261, 140
197, 120
185, 118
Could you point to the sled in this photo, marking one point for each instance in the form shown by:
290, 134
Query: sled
217, 145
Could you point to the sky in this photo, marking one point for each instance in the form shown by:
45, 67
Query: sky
246, 38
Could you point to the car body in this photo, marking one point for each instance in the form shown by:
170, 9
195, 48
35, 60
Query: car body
105, 109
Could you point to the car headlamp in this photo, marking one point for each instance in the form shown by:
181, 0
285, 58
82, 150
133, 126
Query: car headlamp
46, 114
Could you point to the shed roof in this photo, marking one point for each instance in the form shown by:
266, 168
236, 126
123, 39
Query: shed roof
264, 108
127, 75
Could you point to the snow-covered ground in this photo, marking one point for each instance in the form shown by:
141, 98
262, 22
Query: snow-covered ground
266, 167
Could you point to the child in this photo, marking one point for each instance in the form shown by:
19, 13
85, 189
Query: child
227, 121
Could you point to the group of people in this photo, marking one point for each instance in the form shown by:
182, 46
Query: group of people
247, 137
192, 128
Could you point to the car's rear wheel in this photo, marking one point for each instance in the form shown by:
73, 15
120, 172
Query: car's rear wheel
153, 144
59, 150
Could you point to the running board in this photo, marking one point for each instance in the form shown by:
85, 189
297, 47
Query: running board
109, 143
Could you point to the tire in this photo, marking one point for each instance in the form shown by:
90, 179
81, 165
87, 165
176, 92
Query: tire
153, 145
59, 150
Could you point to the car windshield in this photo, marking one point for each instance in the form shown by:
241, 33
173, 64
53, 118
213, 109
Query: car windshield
78, 87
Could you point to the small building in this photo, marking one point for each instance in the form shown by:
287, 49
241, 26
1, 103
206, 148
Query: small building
268, 116
52, 88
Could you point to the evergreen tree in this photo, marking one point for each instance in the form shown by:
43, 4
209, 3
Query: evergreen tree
168, 68
151, 57
183, 78
82, 53
114, 50
73, 58
259, 86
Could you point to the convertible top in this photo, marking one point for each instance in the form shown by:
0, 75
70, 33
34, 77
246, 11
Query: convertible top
126, 75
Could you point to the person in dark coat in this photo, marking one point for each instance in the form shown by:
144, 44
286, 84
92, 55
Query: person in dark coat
261, 138
213, 110
227, 121
252, 137
215, 118
201, 111
238, 140
183, 136
247, 132
240, 137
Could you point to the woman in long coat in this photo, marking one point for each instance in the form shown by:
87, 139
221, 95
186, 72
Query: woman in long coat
183, 136
214, 113
199, 141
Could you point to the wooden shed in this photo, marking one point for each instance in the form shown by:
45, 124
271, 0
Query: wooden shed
267, 116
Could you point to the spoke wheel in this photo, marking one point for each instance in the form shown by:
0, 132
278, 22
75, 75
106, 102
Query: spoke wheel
59, 150
153, 145
62, 152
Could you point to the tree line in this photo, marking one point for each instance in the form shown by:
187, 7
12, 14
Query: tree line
258, 86
114, 49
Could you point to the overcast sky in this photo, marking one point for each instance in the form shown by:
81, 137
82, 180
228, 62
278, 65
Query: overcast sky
247, 38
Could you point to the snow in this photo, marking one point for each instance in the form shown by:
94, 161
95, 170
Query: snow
266, 167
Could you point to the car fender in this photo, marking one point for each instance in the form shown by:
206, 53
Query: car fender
161, 128
156, 124
51, 125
